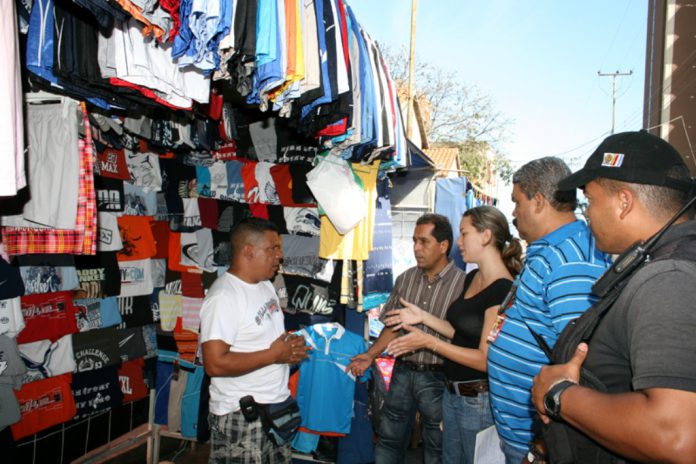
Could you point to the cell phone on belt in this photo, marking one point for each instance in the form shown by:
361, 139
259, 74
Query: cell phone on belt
249, 408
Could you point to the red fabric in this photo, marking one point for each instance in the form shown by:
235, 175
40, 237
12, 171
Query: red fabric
283, 182
192, 285
332, 130
208, 209
44, 403
172, 7
344, 33
160, 232
251, 185
48, 316
138, 241
214, 107
132, 381
259, 210
112, 164
115, 81
186, 342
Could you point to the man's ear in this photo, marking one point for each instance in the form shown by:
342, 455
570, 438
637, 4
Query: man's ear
443, 245
248, 251
626, 199
539, 202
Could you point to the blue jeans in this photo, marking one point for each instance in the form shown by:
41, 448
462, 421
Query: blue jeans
463, 417
411, 391
512, 455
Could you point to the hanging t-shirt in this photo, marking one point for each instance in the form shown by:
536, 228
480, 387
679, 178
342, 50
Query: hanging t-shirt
160, 232
138, 241
11, 284
111, 163
191, 220
45, 359
171, 307
109, 194
308, 295
96, 349
11, 317
132, 381
96, 391
135, 311
209, 212
144, 169
301, 257
138, 201
131, 343
12, 368
136, 277
159, 272
235, 183
44, 403
302, 220
47, 316
109, 237
98, 274
47, 273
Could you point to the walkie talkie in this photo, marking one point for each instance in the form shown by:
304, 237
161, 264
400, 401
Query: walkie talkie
630, 259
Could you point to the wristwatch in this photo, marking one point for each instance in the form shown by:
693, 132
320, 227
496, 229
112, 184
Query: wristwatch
552, 399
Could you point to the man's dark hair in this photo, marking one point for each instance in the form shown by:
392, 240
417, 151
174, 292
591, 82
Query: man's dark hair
248, 229
442, 229
542, 176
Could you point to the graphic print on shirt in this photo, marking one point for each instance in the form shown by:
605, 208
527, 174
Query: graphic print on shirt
266, 311
42, 279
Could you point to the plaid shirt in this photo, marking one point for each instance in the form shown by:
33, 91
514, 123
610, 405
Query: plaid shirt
434, 297
82, 239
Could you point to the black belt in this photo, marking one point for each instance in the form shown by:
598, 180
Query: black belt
467, 388
421, 367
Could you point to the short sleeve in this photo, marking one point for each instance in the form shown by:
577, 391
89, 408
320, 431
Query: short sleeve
217, 321
661, 326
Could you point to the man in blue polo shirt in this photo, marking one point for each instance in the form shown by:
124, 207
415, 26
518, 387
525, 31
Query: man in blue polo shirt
553, 288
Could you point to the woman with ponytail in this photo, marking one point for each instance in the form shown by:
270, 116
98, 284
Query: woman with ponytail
484, 240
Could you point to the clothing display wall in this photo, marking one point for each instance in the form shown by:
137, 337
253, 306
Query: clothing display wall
135, 136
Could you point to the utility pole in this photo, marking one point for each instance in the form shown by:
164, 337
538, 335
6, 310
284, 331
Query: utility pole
613, 76
411, 68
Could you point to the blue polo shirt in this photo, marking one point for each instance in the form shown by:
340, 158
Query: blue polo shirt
554, 287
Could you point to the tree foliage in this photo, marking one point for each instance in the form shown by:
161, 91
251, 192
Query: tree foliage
456, 115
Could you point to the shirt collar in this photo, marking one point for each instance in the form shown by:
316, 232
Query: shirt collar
443, 272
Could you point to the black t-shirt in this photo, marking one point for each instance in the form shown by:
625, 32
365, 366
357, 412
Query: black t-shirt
466, 316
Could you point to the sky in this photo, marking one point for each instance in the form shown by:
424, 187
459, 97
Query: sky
536, 59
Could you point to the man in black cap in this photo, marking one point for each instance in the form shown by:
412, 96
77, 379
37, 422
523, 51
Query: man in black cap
643, 349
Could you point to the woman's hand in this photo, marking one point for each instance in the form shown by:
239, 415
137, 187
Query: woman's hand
411, 342
410, 314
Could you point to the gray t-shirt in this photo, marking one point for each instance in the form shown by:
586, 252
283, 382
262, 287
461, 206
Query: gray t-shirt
647, 338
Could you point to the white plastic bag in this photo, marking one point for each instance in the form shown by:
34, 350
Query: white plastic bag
488, 447
338, 194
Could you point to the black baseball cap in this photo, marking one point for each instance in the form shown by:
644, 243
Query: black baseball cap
634, 157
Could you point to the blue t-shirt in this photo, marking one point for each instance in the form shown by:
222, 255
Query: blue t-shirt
325, 390
554, 287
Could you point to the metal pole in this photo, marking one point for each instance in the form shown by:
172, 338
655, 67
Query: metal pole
411, 67
613, 76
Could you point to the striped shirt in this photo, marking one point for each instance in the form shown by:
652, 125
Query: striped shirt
553, 288
434, 297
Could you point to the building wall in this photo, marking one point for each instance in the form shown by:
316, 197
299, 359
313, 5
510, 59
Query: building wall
670, 85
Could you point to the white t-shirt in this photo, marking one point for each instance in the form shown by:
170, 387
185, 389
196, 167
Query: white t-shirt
248, 318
